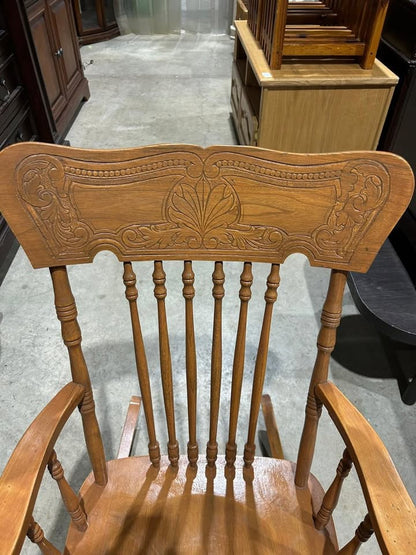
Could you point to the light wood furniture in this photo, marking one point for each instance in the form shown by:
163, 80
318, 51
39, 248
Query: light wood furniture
327, 28
216, 204
306, 107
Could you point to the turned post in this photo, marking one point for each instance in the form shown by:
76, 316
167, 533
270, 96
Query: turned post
36, 535
160, 292
270, 298
362, 534
330, 319
129, 279
188, 278
330, 500
67, 314
69, 497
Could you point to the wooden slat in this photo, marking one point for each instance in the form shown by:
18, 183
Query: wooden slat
69, 497
129, 278
159, 279
129, 428
270, 297
188, 278
218, 279
330, 319
278, 34
71, 334
273, 436
246, 281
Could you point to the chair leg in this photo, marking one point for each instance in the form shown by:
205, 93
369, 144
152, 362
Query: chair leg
273, 437
129, 428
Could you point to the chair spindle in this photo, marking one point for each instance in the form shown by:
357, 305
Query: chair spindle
188, 278
362, 534
330, 500
69, 497
67, 314
36, 535
270, 297
129, 279
330, 319
159, 279
246, 281
218, 279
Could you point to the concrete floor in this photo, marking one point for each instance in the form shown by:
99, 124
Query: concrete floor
176, 89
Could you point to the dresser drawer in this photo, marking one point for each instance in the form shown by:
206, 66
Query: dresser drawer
9, 80
20, 129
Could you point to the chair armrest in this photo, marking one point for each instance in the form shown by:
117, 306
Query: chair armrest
21, 478
392, 512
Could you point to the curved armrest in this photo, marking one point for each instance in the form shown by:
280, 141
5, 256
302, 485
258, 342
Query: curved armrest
392, 512
20, 481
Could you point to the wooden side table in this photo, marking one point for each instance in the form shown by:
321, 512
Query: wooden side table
306, 106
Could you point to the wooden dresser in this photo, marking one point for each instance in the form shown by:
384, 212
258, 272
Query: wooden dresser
306, 106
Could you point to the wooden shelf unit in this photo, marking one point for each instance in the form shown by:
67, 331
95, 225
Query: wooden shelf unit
306, 107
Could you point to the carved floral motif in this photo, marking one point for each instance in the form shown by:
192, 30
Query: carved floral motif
202, 209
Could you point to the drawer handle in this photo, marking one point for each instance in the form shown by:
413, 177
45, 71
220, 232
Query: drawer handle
59, 53
19, 137
3, 84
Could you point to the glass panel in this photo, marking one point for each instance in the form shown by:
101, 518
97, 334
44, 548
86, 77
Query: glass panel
88, 14
109, 12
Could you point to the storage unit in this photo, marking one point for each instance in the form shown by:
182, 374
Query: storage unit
95, 20
306, 107
54, 36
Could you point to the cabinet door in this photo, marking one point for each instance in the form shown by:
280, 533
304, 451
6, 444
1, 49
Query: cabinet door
48, 55
64, 29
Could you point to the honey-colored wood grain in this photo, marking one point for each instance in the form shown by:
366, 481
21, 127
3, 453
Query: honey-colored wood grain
362, 534
270, 298
201, 510
36, 535
129, 279
218, 292
330, 320
188, 278
271, 204
129, 428
276, 449
246, 281
69, 497
21, 478
66, 312
330, 500
160, 291
391, 510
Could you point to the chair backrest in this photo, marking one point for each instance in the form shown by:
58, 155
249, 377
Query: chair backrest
179, 202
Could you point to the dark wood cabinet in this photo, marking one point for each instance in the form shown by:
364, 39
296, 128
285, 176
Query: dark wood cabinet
95, 20
54, 36
42, 83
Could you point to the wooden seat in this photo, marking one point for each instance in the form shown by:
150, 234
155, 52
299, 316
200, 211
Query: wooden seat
184, 203
323, 29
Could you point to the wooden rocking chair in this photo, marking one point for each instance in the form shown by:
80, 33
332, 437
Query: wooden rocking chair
216, 204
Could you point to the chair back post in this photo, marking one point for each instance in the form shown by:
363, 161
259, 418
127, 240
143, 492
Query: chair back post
66, 311
330, 320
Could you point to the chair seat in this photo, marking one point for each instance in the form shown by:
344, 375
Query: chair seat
200, 510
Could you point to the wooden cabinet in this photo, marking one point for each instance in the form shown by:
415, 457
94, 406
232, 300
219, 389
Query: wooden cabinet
16, 121
95, 20
53, 31
306, 107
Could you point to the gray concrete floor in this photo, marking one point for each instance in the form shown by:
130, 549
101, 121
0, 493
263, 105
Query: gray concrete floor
176, 89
